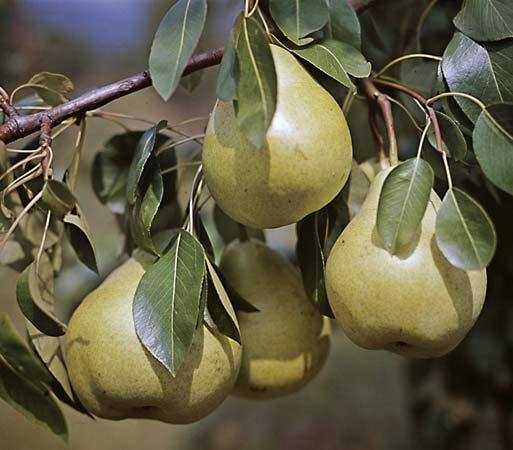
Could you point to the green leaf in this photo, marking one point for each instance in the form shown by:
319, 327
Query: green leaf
166, 302
58, 198
175, 40
53, 88
219, 305
239, 303
18, 356
403, 202
296, 19
229, 230
483, 71
356, 189
34, 402
257, 90
454, 142
337, 60
143, 151
228, 76
486, 20
32, 305
80, 239
493, 144
343, 24
311, 235
191, 82
464, 232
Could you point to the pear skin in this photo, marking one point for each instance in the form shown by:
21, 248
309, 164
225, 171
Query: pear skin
303, 164
414, 303
116, 378
285, 343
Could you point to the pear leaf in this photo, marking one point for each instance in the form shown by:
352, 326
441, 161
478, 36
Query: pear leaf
337, 60
343, 24
299, 18
257, 88
167, 300
53, 88
58, 198
229, 229
493, 144
490, 20
403, 202
175, 40
453, 141
228, 77
33, 401
81, 240
464, 232
29, 292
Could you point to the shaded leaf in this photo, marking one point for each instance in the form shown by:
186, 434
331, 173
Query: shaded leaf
32, 305
454, 142
493, 145
228, 76
488, 20
191, 81
34, 402
203, 236
143, 151
337, 60
53, 88
402, 203
239, 303
58, 198
80, 239
175, 40
464, 232
229, 229
257, 89
299, 18
166, 303
356, 189
343, 24
483, 71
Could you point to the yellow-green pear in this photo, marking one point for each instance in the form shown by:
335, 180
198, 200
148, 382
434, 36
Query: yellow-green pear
303, 164
372, 166
414, 302
116, 378
286, 342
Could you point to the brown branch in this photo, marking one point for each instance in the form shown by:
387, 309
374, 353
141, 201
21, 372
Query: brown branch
386, 111
400, 87
9, 110
21, 126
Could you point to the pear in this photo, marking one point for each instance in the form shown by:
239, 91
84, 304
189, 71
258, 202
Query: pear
286, 342
303, 164
115, 377
414, 303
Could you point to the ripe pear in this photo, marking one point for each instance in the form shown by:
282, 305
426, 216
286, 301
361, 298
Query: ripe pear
303, 164
415, 302
115, 377
286, 342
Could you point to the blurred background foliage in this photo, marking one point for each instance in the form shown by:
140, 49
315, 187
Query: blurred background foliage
361, 400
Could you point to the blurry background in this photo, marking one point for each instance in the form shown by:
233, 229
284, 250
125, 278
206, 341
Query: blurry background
362, 400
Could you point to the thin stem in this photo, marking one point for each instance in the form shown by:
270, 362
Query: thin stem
404, 58
75, 162
439, 144
179, 166
348, 101
400, 87
64, 127
43, 240
407, 112
183, 141
423, 137
255, 6
479, 103
264, 22
20, 163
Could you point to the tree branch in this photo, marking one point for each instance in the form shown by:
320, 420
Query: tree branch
19, 126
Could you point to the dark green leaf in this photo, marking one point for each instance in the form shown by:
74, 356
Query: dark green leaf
203, 236
58, 198
53, 88
32, 401
228, 76
297, 19
454, 142
31, 303
166, 302
18, 356
143, 151
256, 91
486, 20
356, 189
403, 202
343, 24
483, 71
175, 40
493, 144
464, 232
81, 240
239, 303
337, 60
229, 229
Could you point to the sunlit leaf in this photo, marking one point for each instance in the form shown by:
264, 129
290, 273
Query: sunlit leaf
464, 232
228, 76
256, 91
403, 202
166, 302
175, 40
493, 144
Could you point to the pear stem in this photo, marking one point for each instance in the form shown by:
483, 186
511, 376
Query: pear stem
243, 233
